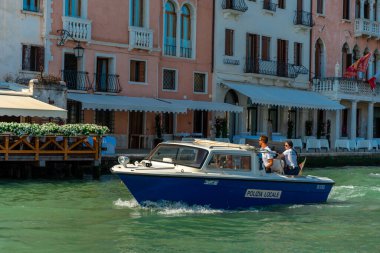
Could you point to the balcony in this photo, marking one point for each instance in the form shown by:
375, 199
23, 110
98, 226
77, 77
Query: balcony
269, 7
233, 8
273, 68
367, 28
107, 83
76, 80
303, 20
80, 28
140, 38
345, 88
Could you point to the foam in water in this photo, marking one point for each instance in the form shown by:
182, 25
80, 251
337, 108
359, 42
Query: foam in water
374, 174
127, 203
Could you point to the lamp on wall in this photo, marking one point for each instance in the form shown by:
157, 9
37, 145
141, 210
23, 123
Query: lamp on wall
63, 35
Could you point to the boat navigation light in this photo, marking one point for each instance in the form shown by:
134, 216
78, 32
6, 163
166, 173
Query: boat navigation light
123, 160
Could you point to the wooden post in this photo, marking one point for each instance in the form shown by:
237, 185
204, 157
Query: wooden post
6, 154
65, 147
37, 144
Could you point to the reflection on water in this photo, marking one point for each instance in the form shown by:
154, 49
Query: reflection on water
101, 216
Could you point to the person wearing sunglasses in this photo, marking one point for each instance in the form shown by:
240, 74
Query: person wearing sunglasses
267, 153
290, 156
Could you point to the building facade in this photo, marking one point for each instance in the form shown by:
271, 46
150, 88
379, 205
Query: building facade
261, 63
145, 64
344, 31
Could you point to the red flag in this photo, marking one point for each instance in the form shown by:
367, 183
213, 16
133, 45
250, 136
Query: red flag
363, 63
360, 65
372, 82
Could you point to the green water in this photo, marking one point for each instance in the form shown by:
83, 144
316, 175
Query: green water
101, 216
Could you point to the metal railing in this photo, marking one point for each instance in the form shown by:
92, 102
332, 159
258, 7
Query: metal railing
186, 52
303, 18
76, 80
273, 68
170, 50
268, 5
107, 83
367, 27
237, 5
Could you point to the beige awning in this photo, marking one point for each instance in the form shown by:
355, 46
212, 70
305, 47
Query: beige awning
29, 107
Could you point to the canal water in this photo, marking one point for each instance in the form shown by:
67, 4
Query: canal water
101, 216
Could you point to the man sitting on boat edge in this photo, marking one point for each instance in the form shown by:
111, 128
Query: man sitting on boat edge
267, 155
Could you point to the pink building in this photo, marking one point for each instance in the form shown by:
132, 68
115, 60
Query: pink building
344, 31
141, 59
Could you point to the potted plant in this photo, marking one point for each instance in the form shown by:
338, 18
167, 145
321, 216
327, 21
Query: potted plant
289, 133
158, 126
308, 127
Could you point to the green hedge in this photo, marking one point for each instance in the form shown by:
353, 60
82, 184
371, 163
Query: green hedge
52, 129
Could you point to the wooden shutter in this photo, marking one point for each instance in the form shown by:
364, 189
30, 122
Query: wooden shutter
229, 42
40, 54
141, 71
265, 48
132, 70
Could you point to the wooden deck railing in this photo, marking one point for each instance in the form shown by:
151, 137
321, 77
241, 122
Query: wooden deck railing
14, 148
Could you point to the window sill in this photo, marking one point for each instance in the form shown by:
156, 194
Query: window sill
137, 83
169, 90
200, 92
346, 21
321, 15
178, 57
32, 13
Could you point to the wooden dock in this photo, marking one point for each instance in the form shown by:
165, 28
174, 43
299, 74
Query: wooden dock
74, 152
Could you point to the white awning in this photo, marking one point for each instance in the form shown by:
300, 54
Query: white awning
205, 105
123, 103
289, 97
29, 107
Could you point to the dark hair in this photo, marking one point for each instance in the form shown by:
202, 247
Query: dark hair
264, 138
290, 143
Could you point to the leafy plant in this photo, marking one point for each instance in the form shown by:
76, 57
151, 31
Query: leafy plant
308, 127
52, 129
289, 133
221, 127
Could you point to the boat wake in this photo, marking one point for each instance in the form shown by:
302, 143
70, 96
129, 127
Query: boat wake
374, 174
126, 203
349, 192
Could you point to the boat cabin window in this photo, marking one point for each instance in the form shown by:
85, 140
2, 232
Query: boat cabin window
181, 155
235, 162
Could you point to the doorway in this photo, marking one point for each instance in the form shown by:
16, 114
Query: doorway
136, 125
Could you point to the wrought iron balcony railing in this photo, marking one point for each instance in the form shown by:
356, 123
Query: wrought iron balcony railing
303, 18
268, 5
186, 52
273, 68
107, 83
237, 5
76, 80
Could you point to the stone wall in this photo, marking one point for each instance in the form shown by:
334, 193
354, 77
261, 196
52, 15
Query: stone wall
54, 94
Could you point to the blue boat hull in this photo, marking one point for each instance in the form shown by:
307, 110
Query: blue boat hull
224, 193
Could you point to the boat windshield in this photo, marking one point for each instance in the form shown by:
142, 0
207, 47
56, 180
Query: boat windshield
181, 155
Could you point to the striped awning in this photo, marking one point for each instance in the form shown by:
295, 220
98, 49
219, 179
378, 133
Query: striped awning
123, 103
282, 96
27, 106
205, 105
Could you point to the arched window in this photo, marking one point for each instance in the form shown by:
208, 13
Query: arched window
170, 28
356, 54
318, 58
232, 118
185, 32
367, 73
346, 57
376, 62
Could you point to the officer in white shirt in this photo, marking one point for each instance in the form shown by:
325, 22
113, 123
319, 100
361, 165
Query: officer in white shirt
267, 154
290, 155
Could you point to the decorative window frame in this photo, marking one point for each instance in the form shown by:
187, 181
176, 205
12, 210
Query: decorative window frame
206, 82
146, 72
176, 80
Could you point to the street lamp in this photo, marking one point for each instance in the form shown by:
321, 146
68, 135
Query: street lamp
63, 35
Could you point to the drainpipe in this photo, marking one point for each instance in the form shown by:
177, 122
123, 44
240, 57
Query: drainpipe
311, 42
213, 36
